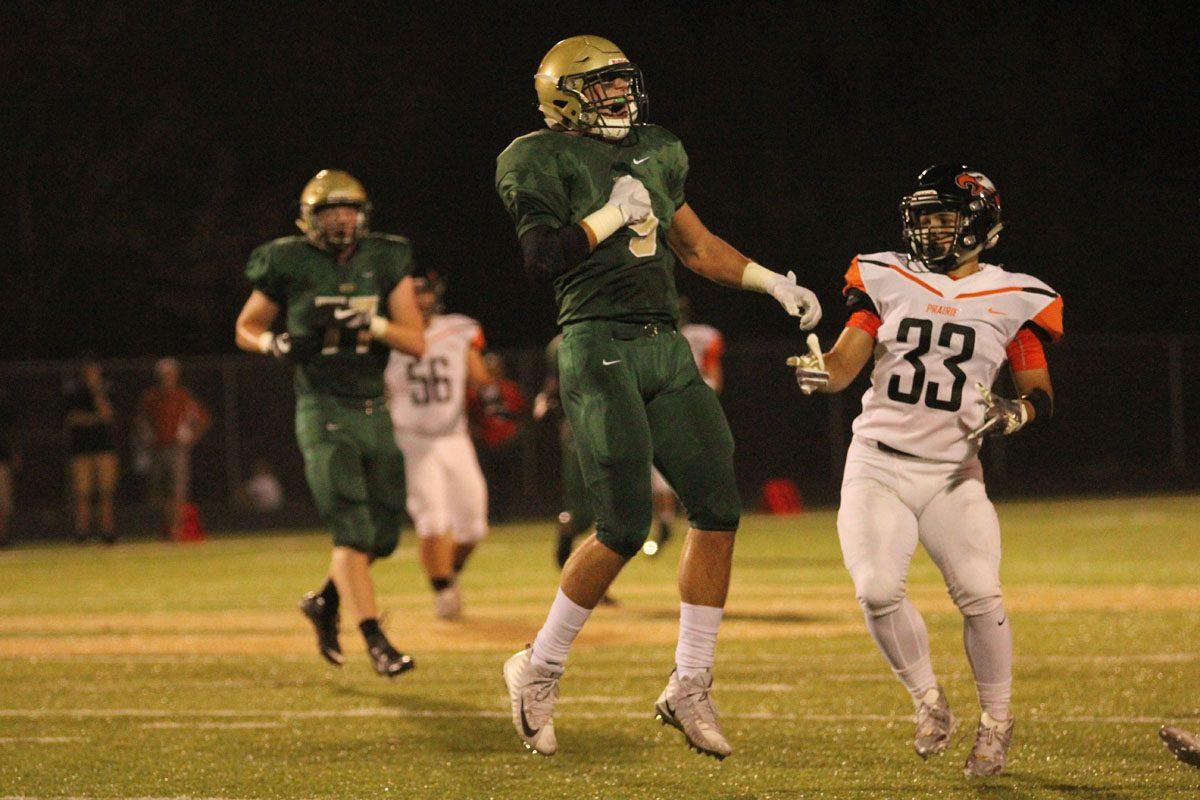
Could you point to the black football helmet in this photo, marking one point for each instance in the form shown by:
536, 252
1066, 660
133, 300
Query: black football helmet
942, 246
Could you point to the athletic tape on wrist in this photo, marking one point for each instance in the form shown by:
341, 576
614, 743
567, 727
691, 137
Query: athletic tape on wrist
604, 222
379, 327
757, 278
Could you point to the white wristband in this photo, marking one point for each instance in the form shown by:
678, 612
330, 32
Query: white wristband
379, 327
757, 278
264, 341
604, 222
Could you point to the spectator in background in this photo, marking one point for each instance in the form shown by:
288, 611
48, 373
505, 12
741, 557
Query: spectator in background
496, 410
92, 450
10, 461
262, 491
176, 421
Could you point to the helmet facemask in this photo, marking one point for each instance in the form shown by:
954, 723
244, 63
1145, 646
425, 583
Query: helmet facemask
943, 232
607, 108
332, 237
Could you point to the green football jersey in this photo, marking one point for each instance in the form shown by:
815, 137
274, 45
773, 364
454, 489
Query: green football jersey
299, 277
556, 179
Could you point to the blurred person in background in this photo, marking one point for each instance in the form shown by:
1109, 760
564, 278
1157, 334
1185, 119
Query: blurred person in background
496, 411
10, 462
176, 421
262, 491
344, 299
427, 398
91, 446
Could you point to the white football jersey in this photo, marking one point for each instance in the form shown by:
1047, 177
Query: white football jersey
938, 338
428, 396
706, 342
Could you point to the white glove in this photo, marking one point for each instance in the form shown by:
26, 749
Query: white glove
796, 300
1002, 417
275, 345
629, 196
811, 374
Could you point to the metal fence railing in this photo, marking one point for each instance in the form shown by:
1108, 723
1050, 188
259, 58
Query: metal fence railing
1126, 420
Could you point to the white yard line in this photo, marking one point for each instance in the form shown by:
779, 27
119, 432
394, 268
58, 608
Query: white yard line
40, 739
399, 713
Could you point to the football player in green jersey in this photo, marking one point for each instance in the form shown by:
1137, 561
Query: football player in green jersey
346, 299
598, 202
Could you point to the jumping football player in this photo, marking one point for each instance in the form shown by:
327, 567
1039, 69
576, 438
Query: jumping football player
941, 326
707, 346
598, 202
346, 298
427, 396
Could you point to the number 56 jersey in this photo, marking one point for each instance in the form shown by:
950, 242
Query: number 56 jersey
428, 396
935, 338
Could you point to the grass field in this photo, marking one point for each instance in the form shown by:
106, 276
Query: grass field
154, 670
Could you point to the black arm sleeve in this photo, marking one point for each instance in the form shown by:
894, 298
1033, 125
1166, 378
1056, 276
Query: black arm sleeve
858, 300
549, 252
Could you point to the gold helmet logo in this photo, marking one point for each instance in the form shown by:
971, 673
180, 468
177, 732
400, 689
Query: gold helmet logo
586, 84
332, 187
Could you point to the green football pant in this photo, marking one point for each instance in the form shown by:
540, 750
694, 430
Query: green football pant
354, 470
633, 395
577, 508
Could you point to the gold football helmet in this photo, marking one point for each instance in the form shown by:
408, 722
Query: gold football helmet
586, 84
332, 187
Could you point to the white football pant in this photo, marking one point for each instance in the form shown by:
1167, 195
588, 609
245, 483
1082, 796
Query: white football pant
446, 489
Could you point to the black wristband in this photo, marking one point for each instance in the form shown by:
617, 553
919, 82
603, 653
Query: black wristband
1043, 404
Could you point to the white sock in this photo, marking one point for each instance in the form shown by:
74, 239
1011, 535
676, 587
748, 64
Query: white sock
697, 638
904, 641
989, 644
562, 625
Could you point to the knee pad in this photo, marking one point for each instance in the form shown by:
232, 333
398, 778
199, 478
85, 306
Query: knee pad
878, 593
719, 511
975, 605
625, 543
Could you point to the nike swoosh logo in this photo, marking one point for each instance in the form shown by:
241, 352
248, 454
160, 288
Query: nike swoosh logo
1002, 621
608, 363
529, 732
344, 313
994, 311
641, 160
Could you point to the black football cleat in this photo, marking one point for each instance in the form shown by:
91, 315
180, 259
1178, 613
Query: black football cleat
325, 621
388, 661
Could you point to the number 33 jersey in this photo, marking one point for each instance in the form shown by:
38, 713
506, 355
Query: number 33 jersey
935, 338
427, 397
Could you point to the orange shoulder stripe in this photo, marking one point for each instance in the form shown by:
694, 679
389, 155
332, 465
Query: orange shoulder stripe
915, 280
1050, 319
990, 291
854, 278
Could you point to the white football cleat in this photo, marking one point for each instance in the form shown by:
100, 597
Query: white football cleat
1183, 745
991, 747
935, 724
447, 603
532, 691
686, 704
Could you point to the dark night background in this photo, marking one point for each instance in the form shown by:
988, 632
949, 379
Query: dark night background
148, 148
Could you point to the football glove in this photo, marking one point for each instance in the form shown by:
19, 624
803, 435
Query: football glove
630, 197
811, 374
796, 300
1003, 416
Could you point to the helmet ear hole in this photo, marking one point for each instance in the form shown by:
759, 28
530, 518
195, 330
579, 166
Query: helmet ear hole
560, 103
